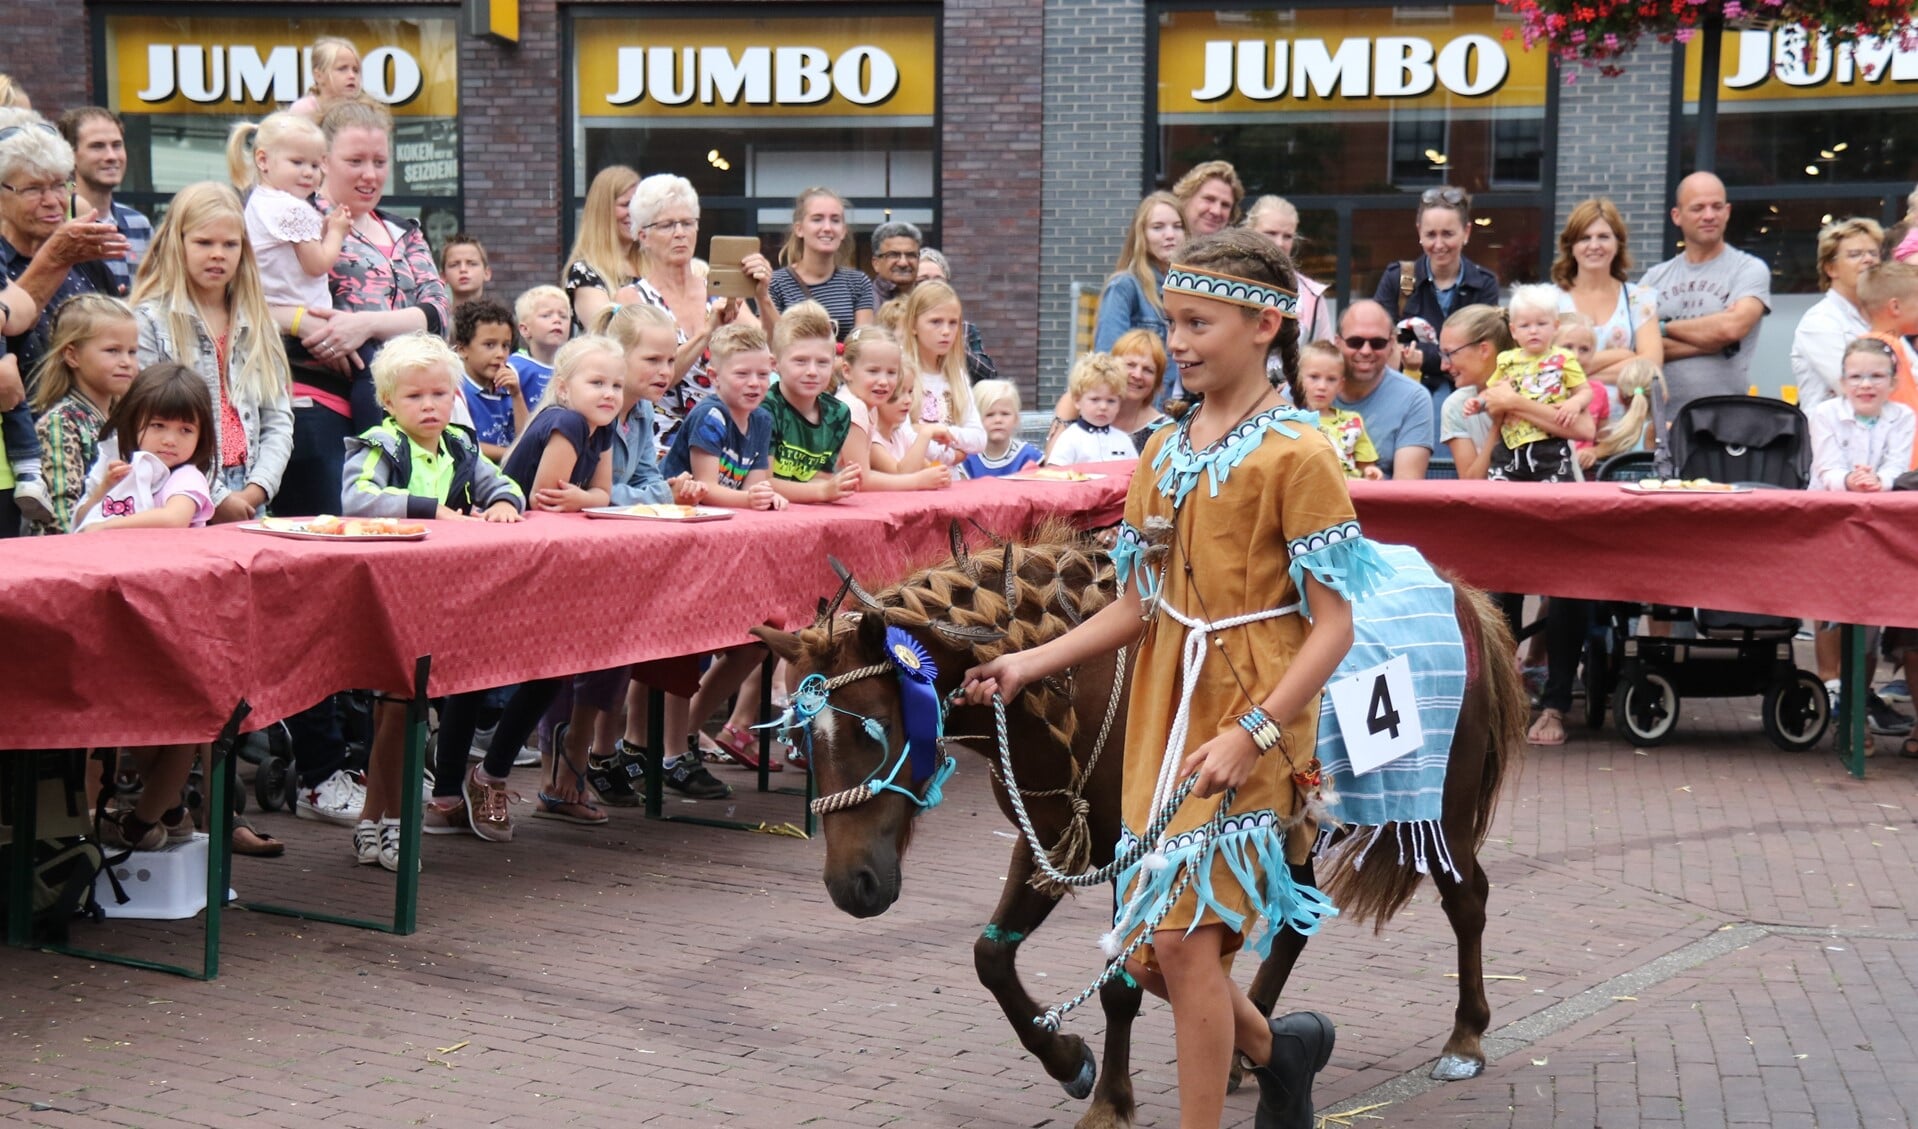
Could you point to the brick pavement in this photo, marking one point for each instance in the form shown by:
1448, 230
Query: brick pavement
674, 976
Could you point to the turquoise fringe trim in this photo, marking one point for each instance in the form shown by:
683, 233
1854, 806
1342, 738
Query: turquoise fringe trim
1128, 557
1254, 852
1349, 565
1181, 465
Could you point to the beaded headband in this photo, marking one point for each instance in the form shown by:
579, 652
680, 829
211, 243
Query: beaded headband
1231, 288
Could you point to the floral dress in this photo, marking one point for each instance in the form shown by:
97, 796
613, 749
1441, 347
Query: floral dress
1220, 541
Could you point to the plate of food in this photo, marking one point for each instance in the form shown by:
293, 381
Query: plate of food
326, 527
1053, 474
1681, 486
660, 511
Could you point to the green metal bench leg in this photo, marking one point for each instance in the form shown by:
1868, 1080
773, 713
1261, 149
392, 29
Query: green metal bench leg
1852, 689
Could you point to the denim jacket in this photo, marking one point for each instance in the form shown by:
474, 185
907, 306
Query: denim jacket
268, 426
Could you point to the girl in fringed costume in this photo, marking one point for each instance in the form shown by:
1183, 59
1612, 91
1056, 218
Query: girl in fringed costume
1237, 558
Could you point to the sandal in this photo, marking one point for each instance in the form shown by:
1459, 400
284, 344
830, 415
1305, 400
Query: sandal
1548, 730
582, 810
258, 844
1909, 748
743, 747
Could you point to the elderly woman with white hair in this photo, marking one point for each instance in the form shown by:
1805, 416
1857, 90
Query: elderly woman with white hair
47, 258
665, 215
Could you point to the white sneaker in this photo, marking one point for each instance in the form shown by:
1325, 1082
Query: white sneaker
34, 502
367, 845
388, 853
337, 799
482, 741
528, 755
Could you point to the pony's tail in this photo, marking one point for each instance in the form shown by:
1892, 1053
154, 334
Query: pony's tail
1377, 892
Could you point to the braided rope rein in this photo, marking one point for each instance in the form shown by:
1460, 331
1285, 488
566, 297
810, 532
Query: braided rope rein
1073, 850
859, 793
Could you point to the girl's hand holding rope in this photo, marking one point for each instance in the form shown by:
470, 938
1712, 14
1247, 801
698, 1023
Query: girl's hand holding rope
1223, 763
1004, 676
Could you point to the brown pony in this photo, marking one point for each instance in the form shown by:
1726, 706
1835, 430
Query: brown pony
971, 609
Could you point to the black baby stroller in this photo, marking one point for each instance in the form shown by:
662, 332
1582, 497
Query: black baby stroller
1750, 441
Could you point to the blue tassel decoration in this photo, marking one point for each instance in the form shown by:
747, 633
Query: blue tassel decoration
1342, 559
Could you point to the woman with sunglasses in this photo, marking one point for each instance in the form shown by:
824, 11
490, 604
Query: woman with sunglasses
1443, 280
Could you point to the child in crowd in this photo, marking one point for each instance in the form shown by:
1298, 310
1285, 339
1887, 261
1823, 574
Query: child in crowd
1268, 555
150, 471
1577, 336
1097, 386
731, 448
935, 363
810, 426
463, 266
413, 464
1888, 295
1321, 375
880, 403
483, 338
1004, 453
199, 300
545, 321
278, 164
91, 359
1640, 385
1543, 374
559, 465
1864, 441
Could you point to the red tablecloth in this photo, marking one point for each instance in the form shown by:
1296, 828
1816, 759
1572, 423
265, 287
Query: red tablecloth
1850, 558
146, 637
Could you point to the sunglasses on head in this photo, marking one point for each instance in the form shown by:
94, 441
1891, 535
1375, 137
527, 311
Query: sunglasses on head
15, 130
1449, 194
1376, 344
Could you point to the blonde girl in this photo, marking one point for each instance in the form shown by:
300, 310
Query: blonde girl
893, 451
606, 259
335, 65
1639, 380
648, 337
199, 301
934, 358
282, 159
814, 266
91, 358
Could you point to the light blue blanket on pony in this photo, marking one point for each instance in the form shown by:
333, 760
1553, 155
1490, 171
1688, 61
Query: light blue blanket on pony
1412, 614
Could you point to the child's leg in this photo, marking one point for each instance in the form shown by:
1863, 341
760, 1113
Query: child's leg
22, 445
459, 718
164, 770
385, 762
727, 674
1211, 1017
516, 723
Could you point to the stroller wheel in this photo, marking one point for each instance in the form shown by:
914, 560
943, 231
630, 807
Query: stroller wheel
1797, 712
271, 786
1645, 708
1598, 679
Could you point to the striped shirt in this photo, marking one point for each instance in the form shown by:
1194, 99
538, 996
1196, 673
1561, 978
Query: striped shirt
844, 295
139, 232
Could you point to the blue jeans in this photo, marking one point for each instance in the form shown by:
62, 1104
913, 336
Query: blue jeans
22, 445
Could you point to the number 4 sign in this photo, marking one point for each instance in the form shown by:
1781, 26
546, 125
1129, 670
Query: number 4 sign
1378, 714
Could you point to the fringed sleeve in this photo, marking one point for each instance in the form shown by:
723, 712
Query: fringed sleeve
1339, 557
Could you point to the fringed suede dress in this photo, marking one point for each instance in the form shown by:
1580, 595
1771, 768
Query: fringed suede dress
1220, 541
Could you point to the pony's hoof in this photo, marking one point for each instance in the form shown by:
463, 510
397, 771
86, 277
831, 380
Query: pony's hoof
1237, 1078
1457, 1068
1104, 1117
1081, 1085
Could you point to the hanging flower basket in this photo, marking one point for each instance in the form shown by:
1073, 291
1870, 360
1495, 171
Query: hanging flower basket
1600, 33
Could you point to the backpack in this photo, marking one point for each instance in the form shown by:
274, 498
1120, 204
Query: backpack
65, 860
1408, 282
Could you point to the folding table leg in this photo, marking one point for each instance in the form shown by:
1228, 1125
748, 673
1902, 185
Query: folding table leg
24, 765
1851, 698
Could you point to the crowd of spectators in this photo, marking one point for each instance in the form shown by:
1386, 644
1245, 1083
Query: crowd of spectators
283, 344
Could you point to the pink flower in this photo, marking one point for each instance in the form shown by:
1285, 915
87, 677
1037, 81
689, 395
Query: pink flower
1611, 41
1686, 34
1733, 9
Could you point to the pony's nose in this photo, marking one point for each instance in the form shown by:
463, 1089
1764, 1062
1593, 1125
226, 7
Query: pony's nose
868, 894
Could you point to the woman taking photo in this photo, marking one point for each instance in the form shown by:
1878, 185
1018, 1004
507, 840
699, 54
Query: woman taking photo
1846, 249
1131, 298
605, 260
384, 285
812, 266
1590, 271
665, 213
1442, 280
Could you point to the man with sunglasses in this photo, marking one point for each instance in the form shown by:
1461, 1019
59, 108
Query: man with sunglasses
49, 258
1396, 408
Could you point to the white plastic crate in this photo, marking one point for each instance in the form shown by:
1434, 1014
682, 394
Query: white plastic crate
164, 885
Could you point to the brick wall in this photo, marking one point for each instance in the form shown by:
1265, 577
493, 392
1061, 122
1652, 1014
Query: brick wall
1613, 136
47, 52
513, 148
1094, 123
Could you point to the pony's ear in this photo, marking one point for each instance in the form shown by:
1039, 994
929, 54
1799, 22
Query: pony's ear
872, 634
783, 643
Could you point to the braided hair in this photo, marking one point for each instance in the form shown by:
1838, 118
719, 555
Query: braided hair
1249, 255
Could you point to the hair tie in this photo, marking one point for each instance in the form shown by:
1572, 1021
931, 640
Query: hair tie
1638, 391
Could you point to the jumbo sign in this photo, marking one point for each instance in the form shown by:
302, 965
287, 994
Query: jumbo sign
221, 65
1785, 64
1317, 60
836, 67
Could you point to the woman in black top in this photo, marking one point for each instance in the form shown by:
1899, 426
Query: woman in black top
813, 266
1443, 280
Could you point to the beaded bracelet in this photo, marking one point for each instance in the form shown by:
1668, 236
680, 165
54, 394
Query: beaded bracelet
1265, 732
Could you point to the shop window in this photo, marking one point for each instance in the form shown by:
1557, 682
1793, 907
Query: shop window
1418, 150
179, 82
1518, 152
754, 111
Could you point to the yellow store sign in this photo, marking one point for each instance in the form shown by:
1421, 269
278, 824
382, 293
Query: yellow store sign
1785, 63
220, 65
1373, 59
870, 66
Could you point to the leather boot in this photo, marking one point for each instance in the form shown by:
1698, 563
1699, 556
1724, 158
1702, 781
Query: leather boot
1301, 1045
